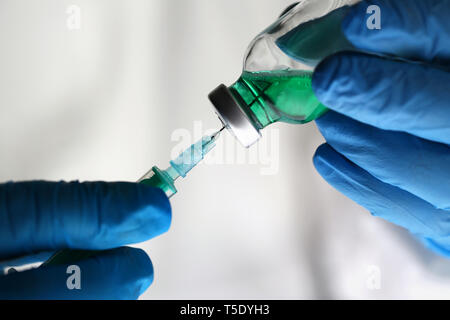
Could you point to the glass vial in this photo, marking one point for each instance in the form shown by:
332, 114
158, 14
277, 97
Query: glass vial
275, 85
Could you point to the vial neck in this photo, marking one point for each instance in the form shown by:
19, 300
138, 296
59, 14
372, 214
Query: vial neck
253, 101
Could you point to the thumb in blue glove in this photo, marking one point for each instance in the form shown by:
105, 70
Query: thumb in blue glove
43, 216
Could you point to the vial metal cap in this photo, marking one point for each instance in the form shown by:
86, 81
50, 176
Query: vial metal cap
233, 117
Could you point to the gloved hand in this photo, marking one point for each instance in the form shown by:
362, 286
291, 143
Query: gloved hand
389, 134
43, 216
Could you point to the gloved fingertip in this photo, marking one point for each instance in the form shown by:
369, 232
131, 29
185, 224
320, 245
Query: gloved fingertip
141, 212
323, 160
142, 268
324, 76
347, 178
435, 247
128, 273
157, 199
336, 128
326, 121
343, 174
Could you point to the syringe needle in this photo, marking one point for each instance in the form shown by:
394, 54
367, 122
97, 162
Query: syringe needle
180, 167
217, 134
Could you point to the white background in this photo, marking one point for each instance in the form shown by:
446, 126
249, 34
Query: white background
101, 103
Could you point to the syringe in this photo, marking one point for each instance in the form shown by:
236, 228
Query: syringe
162, 179
180, 167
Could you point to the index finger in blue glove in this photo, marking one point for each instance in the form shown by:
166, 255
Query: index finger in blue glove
122, 273
413, 29
418, 166
387, 94
385, 201
44, 216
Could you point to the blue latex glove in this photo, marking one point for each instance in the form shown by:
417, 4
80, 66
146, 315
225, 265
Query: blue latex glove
43, 216
389, 134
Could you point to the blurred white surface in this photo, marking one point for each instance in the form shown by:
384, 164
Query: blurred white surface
101, 103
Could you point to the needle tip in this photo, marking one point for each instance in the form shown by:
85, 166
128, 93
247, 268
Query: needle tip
217, 134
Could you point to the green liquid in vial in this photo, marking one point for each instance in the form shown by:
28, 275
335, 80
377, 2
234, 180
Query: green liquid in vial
272, 96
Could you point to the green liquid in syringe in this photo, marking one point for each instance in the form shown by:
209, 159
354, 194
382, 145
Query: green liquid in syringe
272, 96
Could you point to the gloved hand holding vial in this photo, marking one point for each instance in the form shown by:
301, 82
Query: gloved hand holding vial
380, 98
389, 132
